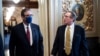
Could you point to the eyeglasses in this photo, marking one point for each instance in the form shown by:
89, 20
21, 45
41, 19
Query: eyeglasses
28, 15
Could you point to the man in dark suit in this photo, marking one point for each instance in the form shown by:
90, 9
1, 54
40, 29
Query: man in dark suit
26, 38
70, 38
1, 47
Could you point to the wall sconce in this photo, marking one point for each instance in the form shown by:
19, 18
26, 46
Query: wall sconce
16, 1
9, 13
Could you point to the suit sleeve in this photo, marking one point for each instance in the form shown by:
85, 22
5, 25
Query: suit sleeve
12, 43
1, 47
84, 46
41, 48
56, 44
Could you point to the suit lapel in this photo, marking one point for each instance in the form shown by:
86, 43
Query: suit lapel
63, 35
23, 33
75, 32
33, 33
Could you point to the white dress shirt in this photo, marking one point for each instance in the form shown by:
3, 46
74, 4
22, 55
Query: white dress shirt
71, 34
25, 27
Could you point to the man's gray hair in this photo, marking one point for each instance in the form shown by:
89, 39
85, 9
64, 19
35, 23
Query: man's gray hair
73, 14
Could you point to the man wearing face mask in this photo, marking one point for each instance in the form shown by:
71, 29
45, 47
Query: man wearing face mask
26, 38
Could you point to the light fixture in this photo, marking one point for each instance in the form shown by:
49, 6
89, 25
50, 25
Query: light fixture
16, 1
9, 13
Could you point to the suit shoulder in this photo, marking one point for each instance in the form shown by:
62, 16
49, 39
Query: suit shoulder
61, 26
17, 26
78, 26
34, 25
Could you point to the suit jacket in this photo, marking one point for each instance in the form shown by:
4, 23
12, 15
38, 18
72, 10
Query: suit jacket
79, 44
19, 45
1, 47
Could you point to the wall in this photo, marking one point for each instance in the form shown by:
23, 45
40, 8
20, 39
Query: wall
1, 19
55, 15
43, 22
98, 19
17, 14
36, 18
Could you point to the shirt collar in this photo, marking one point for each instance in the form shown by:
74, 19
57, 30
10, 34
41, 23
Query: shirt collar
26, 25
72, 25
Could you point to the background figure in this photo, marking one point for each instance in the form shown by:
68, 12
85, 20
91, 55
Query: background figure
26, 38
70, 38
1, 47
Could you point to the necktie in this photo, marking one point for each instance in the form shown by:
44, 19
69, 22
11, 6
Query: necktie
68, 45
28, 34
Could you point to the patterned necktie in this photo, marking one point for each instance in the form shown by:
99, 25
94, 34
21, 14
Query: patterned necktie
28, 34
68, 45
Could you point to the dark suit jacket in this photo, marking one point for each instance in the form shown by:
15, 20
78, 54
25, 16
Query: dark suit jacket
19, 45
79, 44
1, 47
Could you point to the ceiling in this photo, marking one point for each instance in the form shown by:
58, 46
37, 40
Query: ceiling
22, 3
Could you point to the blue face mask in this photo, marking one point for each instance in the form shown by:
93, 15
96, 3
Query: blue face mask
29, 19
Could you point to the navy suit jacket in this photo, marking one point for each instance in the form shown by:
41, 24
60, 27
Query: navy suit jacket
79, 44
1, 47
19, 45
